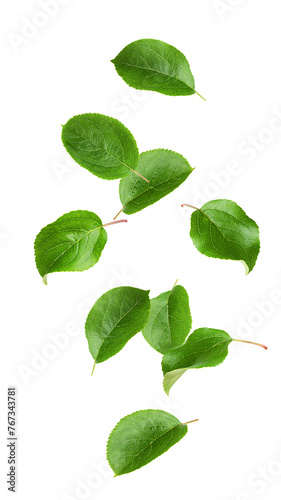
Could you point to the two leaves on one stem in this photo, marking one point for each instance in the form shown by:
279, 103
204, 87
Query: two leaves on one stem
106, 148
150, 64
141, 437
221, 229
74, 242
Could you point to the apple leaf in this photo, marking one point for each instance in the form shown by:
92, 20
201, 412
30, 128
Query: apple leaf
165, 171
149, 64
101, 144
221, 229
114, 319
169, 320
74, 242
141, 437
205, 347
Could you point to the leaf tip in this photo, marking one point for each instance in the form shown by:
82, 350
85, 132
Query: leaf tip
246, 267
166, 387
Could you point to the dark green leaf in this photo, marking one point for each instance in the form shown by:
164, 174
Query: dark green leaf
141, 437
114, 319
221, 229
165, 171
205, 347
101, 144
154, 65
169, 320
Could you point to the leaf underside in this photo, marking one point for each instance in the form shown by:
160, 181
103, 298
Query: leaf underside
149, 64
165, 171
114, 319
169, 320
141, 437
221, 229
205, 347
101, 144
74, 242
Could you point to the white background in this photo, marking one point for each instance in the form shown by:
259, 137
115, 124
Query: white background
64, 414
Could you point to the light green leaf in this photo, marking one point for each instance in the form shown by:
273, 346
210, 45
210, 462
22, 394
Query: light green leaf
205, 347
165, 171
141, 437
154, 65
221, 229
114, 319
74, 242
101, 144
169, 320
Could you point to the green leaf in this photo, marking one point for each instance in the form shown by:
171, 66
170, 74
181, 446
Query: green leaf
165, 171
74, 242
154, 65
169, 320
205, 347
141, 437
101, 144
221, 229
114, 319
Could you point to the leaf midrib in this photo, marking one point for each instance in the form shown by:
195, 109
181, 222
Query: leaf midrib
151, 443
100, 149
158, 72
230, 242
120, 319
72, 245
149, 188
202, 354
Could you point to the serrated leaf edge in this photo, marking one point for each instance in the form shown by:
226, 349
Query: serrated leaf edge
169, 45
246, 267
138, 412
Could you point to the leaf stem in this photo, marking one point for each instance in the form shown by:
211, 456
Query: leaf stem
175, 284
93, 368
190, 206
114, 222
135, 172
200, 95
249, 342
190, 422
120, 211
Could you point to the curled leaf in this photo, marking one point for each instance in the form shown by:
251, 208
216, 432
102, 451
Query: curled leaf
205, 347
165, 171
149, 64
169, 320
141, 437
114, 319
221, 229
